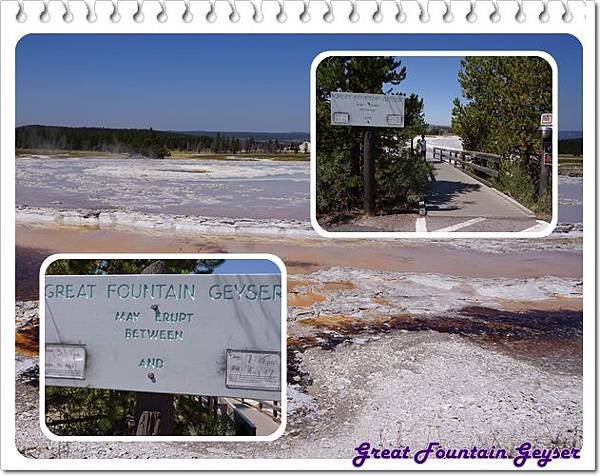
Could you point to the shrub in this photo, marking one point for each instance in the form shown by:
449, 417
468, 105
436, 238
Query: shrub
338, 189
401, 183
519, 179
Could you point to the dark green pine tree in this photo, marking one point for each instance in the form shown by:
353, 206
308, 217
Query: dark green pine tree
503, 98
339, 149
499, 112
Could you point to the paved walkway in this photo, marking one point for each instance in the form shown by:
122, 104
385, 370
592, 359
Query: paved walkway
457, 201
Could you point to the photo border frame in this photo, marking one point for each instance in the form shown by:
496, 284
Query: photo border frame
582, 27
167, 256
546, 231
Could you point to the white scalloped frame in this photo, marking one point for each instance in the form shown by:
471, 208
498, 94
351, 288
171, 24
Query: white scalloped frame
353, 15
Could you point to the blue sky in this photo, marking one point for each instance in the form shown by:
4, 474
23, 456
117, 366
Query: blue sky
434, 79
238, 82
241, 266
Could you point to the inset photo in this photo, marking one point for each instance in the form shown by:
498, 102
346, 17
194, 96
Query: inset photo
435, 144
155, 347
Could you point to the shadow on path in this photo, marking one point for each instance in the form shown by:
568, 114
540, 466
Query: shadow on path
444, 192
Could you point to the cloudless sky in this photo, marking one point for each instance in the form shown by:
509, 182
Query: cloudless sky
434, 78
238, 82
250, 266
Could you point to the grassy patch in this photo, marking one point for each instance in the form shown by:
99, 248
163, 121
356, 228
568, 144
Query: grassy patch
570, 159
570, 165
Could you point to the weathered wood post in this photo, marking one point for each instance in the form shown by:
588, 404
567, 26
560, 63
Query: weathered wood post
544, 178
367, 111
154, 411
369, 172
154, 414
215, 407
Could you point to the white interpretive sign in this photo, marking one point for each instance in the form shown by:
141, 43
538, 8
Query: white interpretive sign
367, 110
253, 369
217, 335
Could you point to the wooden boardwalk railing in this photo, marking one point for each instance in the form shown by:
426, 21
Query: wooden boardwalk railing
249, 417
486, 164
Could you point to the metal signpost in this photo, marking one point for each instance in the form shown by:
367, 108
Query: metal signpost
546, 162
367, 111
216, 335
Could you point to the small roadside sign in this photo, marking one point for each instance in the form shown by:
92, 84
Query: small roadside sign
546, 119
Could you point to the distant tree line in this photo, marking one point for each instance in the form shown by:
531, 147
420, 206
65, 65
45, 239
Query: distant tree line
434, 130
570, 146
146, 142
225, 144
400, 179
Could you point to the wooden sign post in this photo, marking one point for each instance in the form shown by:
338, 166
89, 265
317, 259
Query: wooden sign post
368, 111
368, 173
154, 411
153, 414
546, 159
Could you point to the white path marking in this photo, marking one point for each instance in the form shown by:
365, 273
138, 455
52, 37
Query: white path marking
420, 225
464, 224
539, 226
